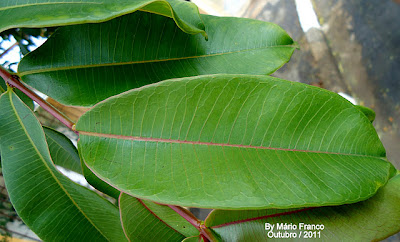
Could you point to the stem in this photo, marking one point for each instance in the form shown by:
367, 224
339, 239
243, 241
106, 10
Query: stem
8, 50
204, 231
15, 82
14, 232
187, 215
207, 233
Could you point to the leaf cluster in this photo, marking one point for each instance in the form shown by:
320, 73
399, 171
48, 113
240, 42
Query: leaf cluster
184, 114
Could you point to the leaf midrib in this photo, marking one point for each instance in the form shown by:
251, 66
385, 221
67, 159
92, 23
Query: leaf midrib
48, 168
47, 3
155, 215
262, 217
147, 139
37, 71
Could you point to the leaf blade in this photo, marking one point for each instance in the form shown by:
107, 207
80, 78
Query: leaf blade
154, 50
192, 134
49, 203
139, 215
56, 13
62, 151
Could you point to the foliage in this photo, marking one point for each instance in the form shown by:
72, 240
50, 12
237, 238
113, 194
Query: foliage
184, 115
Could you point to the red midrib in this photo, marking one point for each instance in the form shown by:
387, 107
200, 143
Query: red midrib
155, 215
262, 217
136, 138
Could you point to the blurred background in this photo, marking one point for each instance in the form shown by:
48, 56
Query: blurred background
351, 47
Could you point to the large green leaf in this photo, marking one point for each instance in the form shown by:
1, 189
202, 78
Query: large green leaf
54, 207
62, 151
141, 48
140, 218
234, 141
46, 13
370, 220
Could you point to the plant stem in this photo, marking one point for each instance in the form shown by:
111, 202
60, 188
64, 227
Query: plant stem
15, 82
9, 49
14, 232
207, 233
187, 215
204, 231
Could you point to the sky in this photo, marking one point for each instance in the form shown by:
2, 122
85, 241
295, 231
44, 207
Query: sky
14, 54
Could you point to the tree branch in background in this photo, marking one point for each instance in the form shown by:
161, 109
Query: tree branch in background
9, 49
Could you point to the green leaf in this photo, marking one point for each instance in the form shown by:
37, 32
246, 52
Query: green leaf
172, 218
234, 142
146, 48
62, 151
146, 221
24, 98
97, 183
3, 87
47, 13
367, 111
370, 220
54, 207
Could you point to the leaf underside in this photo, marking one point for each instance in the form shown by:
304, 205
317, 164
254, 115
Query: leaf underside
54, 207
234, 142
146, 221
370, 220
142, 48
48, 13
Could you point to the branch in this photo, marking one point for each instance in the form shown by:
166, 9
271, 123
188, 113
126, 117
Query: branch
204, 231
187, 215
207, 233
20, 234
9, 49
15, 82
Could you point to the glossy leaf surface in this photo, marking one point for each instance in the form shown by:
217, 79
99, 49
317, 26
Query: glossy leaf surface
62, 151
370, 220
47, 13
142, 48
147, 221
54, 207
234, 141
